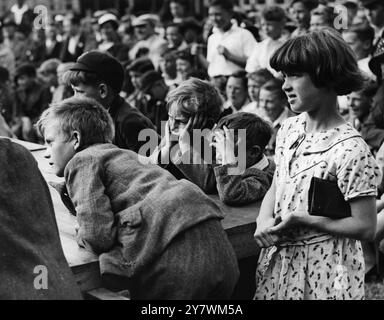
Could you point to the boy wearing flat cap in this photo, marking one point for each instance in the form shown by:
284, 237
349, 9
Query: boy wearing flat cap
99, 76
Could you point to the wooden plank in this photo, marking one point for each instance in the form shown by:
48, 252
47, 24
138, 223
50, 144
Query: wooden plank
29, 145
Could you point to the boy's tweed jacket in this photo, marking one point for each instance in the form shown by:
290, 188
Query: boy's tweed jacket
130, 213
251, 186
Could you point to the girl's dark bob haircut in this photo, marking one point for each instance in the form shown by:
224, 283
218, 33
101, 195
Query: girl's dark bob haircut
325, 56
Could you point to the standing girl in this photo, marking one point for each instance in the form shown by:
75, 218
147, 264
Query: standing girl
305, 256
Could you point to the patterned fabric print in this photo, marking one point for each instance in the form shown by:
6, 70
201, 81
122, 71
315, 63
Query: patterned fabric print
338, 155
329, 270
306, 265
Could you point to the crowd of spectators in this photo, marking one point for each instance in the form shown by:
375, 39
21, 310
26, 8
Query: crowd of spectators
160, 54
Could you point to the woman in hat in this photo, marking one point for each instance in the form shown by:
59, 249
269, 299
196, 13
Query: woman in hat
110, 39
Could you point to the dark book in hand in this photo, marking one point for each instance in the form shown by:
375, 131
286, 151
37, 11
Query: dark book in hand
325, 199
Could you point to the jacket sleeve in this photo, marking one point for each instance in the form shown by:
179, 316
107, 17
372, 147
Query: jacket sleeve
236, 190
97, 229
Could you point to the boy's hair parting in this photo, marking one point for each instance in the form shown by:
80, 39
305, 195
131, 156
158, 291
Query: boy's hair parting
258, 131
273, 13
84, 115
262, 73
325, 56
242, 75
225, 4
363, 31
275, 85
196, 96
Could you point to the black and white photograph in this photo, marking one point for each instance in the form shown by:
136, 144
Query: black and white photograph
189, 157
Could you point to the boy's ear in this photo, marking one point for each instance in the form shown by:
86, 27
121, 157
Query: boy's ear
76, 140
103, 91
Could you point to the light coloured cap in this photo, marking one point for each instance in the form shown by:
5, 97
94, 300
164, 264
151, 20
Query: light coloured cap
59, 18
108, 17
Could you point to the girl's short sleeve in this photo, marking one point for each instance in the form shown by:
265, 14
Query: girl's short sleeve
358, 174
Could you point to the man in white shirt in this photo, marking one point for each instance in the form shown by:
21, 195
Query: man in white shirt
272, 23
229, 46
73, 45
22, 15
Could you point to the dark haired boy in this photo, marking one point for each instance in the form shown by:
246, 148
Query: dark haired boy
99, 76
252, 185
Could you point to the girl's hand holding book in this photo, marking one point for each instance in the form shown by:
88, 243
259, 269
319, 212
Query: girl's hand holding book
294, 219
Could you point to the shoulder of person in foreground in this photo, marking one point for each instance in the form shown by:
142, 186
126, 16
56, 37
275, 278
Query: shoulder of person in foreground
35, 233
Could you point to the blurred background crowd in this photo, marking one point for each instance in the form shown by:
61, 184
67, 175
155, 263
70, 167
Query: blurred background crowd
162, 43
